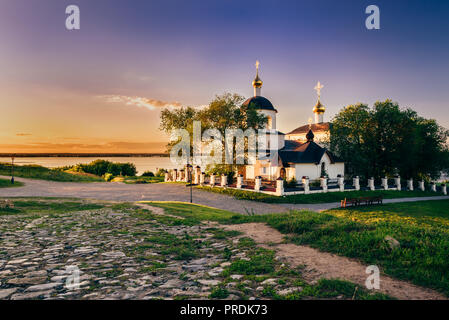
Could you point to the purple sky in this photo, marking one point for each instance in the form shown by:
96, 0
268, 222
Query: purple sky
101, 88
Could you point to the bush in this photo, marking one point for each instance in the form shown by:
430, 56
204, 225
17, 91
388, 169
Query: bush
291, 183
108, 177
147, 174
160, 173
101, 167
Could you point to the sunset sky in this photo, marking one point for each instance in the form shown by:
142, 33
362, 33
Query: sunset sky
101, 89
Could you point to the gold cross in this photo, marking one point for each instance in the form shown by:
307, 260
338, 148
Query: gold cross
257, 65
318, 88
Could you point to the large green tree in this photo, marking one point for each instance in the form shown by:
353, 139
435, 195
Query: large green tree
388, 140
226, 111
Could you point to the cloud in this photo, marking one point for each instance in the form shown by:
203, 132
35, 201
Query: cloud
142, 102
23, 134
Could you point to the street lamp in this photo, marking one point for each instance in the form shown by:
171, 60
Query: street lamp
189, 172
12, 170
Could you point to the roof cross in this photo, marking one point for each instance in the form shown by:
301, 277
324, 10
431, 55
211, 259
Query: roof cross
318, 88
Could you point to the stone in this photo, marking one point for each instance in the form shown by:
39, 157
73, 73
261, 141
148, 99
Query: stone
43, 287
172, 283
270, 282
17, 261
5, 293
114, 254
392, 242
31, 295
209, 282
236, 276
20, 281
284, 292
215, 271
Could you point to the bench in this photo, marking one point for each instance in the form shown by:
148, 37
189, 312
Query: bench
361, 200
6, 204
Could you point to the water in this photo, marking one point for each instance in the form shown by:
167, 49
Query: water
142, 163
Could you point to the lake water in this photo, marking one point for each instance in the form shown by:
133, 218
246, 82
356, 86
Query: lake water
142, 163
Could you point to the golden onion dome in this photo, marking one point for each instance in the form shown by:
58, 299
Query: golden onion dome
257, 83
319, 108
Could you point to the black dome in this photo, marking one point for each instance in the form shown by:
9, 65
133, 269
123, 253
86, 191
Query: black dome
260, 103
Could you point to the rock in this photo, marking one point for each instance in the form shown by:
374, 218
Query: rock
20, 281
236, 276
43, 287
114, 254
209, 282
172, 283
270, 282
31, 295
392, 242
40, 273
259, 289
284, 292
215, 271
194, 267
17, 261
5, 293
225, 264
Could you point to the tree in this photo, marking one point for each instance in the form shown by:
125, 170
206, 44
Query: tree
387, 140
224, 112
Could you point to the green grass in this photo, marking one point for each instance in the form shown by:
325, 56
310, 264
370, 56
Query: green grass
318, 197
143, 180
38, 172
5, 183
422, 229
46, 206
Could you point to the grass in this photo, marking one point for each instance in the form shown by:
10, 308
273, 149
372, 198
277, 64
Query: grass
39, 172
318, 197
142, 180
422, 229
5, 183
54, 207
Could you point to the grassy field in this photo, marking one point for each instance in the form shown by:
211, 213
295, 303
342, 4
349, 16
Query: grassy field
142, 180
421, 228
318, 197
5, 183
38, 172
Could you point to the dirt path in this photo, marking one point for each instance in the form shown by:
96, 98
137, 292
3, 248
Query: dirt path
327, 265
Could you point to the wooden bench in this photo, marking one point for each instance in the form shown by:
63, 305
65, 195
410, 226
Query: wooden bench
361, 200
6, 204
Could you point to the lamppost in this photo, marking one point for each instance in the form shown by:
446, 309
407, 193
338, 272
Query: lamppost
189, 172
12, 170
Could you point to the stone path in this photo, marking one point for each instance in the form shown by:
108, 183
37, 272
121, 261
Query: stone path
161, 192
119, 251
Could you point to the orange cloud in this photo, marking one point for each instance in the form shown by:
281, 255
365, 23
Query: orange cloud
142, 102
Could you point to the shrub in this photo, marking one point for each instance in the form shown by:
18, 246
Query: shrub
108, 177
147, 174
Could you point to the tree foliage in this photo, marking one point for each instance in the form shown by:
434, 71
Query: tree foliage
226, 111
387, 140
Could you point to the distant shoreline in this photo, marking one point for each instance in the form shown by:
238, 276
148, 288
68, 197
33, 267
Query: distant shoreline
80, 155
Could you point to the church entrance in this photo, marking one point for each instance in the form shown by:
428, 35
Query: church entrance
282, 173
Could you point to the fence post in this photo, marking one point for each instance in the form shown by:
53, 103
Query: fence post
385, 183
421, 186
371, 184
212, 180
397, 181
239, 181
323, 182
305, 182
257, 183
224, 180
341, 183
356, 183
280, 186
443, 188
433, 187
410, 184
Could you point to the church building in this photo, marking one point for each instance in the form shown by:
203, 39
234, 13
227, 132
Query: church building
296, 154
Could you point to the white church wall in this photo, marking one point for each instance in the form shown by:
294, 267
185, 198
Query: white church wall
249, 172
